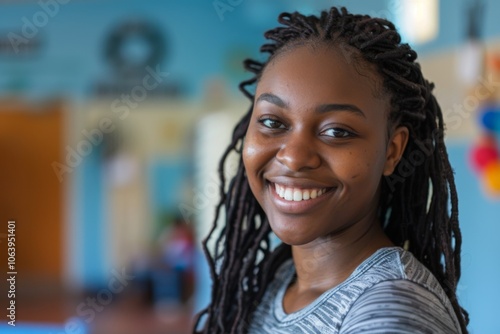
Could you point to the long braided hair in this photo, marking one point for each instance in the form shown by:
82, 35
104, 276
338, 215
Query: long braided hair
414, 200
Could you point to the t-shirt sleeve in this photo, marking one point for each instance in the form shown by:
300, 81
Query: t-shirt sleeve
399, 306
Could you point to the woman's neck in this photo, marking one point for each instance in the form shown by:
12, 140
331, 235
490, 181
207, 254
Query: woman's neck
323, 264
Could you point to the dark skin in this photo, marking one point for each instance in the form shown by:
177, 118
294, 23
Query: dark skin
319, 124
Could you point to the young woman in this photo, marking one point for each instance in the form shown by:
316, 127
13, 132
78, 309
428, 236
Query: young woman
342, 158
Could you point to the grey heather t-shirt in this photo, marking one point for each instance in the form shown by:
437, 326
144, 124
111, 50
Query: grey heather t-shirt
390, 292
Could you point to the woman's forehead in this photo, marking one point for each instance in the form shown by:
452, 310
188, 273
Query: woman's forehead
309, 74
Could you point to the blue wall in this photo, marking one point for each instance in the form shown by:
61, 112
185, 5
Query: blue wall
200, 41
452, 28
478, 289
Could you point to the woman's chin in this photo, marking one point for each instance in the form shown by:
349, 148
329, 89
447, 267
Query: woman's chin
292, 237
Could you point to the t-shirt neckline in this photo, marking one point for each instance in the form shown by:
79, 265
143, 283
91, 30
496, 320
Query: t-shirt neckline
285, 318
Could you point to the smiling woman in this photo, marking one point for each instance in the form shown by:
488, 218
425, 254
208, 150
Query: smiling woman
337, 105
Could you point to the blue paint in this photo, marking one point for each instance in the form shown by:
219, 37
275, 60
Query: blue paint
74, 326
203, 286
199, 41
167, 182
478, 290
93, 238
453, 24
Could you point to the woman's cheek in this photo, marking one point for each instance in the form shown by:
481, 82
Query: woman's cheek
251, 149
360, 170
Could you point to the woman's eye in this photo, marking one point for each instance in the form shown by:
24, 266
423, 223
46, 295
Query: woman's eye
272, 123
337, 133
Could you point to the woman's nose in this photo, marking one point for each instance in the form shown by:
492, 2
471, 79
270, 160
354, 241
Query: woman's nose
298, 152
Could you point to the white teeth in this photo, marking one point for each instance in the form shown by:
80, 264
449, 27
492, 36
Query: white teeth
305, 195
296, 194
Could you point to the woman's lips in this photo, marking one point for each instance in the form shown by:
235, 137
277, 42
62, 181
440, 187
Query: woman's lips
296, 200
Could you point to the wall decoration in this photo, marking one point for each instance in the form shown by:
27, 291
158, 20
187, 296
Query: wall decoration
484, 155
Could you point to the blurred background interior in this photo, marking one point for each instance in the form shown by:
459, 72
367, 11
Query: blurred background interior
114, 113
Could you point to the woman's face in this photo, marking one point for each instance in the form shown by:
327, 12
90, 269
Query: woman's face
317, 147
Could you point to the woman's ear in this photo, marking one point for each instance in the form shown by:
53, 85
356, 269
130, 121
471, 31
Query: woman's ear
395, 148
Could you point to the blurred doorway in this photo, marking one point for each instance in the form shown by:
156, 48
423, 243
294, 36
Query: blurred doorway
31, 139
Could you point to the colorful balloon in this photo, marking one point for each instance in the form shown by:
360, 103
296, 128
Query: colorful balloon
492, 177
483, 154
490, 119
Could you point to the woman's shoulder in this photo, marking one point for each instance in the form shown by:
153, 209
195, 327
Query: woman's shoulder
400, 306
396, 265
393, 263
399, 293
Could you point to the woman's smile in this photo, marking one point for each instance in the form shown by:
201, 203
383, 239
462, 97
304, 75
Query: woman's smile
295, 199
297, 194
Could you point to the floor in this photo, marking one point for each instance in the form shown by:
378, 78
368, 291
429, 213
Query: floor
128, 314
133, 320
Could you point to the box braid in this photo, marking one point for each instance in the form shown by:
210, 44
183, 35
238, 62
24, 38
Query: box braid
414, 211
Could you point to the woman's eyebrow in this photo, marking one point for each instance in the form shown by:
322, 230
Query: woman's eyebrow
271, 98
340, 107
276, 100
